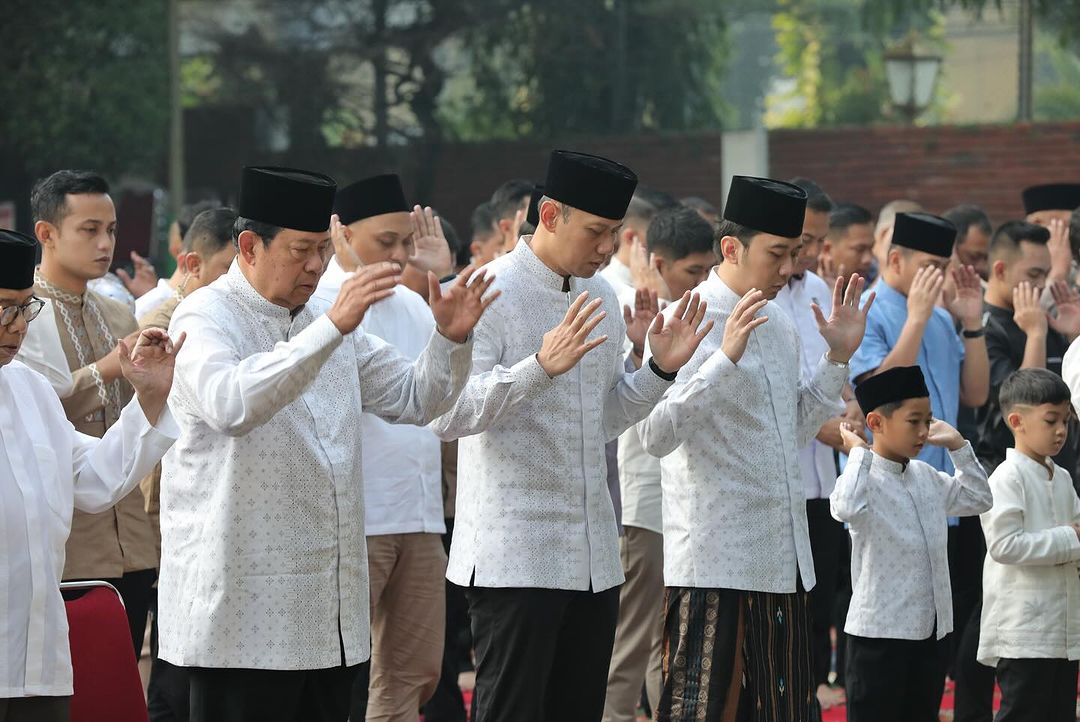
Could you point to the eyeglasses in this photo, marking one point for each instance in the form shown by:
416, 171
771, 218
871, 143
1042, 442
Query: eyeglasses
30, 311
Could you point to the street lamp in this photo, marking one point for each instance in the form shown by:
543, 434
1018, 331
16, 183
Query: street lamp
911, 72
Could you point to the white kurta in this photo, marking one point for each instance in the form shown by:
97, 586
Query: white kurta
47, 469
262, 536
817, 463
899, 540
734, 509
533, 507
1031, 591
402, 463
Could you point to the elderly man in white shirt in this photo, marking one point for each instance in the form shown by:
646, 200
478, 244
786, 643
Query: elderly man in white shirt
403, 506
730, 431
263, 590
818, 459
535, 539
47, 469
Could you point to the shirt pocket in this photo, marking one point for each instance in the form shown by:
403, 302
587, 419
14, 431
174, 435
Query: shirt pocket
55, 488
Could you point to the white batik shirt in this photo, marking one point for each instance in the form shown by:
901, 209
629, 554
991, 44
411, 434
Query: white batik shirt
263, 559
533, 507
897, 516
47, 469
730, 435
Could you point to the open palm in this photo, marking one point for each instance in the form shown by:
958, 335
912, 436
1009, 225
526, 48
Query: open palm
844, 328
674, 341
457, 309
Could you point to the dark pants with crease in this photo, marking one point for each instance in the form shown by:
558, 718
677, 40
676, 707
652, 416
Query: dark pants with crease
827, 538
260, 695
1037, 690
542, 655
895, 680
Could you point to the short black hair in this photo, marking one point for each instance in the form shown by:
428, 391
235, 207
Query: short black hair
1010, 234
266, 231
700, 205
1032, 387
887, 410
508, 197
731, 228
678, 232
845, 215
188, 212
817, 200
1074, 233
453, 240
484, 220
966, 215
48, 199
210, 232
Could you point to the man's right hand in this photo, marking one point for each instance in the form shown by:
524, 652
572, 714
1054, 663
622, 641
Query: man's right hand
366, 287
1028, 312
568, 342
741, 323
924, 293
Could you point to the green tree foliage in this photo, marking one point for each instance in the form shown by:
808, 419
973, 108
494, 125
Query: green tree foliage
84, 84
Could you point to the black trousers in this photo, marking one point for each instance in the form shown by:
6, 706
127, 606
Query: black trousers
137, 591
1037, 690
974, 681
827, 538
895, 680
448, 704
542, 655
168, 695
840, 609
260, 695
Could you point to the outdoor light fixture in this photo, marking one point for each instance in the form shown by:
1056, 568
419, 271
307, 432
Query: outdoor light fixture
911, 72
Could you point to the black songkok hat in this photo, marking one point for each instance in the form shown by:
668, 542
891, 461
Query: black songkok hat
924, 232
532, 216
1051, 197
590, 183
890, 386
287, 198
18, 255
370, 197
766, 206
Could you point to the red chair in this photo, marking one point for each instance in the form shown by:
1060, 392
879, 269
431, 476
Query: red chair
106, 676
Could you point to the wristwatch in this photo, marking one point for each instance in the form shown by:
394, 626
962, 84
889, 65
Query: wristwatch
839, 364
977, 333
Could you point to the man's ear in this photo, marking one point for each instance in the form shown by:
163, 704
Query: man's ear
997, 270
46, 233
247, 241
730, 248
191, 263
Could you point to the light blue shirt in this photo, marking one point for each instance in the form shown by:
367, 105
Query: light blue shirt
941, 355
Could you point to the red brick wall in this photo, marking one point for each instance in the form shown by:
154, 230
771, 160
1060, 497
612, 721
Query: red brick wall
938, 167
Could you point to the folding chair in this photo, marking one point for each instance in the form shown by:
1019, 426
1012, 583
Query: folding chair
106, 676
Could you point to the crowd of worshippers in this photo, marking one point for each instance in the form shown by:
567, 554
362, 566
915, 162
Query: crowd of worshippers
615, 452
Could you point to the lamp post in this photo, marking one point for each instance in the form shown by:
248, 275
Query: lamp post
911, 72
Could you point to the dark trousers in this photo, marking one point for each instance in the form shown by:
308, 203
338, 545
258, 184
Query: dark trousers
260, 695
1037, 690
895, 680
542, 655
974, 681
168, 695
137, 591
827, 538
448, 704
35, 709
840, 609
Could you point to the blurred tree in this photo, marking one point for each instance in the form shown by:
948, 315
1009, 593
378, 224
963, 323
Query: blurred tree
85, 84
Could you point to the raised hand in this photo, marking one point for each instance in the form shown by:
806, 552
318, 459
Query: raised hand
924, 293
674, 341
431, 252
1028, 312
851, 437
145, 277
341, 237
1067, 303
828, 269
741, 323
941, 434
844, 329
148, 367
367, 286
640, 317
510, 236
1060, 251
965, 303
458, 309
568, 342
644, 273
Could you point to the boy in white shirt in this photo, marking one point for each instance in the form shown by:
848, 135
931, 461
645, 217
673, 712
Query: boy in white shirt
896, 508
1031, 592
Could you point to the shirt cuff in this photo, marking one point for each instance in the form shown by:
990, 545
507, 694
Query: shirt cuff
531, 376
649, 384
965, 456
321, 333
716, 366
830, 377
166, 427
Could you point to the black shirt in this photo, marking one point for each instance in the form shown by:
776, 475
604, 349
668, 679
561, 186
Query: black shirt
1005, 349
